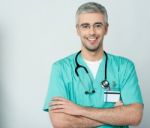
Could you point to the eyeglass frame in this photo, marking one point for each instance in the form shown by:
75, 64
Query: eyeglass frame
87, 26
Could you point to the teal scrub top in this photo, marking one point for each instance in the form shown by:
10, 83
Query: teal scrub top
121, 75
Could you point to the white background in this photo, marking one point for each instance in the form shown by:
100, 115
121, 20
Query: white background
35, 33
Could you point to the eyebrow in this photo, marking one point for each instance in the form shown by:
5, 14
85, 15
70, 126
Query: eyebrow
84, 24
99, 23
94, 23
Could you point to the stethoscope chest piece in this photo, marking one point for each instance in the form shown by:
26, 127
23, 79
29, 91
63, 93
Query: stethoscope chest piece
105, 84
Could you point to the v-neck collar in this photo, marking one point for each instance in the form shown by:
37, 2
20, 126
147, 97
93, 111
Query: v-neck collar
100, 71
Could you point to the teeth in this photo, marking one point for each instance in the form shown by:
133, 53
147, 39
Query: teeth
91, 39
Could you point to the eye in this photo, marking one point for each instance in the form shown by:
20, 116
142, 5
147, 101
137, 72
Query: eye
98, 25
85, 26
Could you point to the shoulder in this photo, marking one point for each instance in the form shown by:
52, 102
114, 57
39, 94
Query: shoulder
120, 60
65, 62
64, 67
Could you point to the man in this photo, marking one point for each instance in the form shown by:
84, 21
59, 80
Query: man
92, 88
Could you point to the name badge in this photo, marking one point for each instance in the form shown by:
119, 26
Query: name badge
111, 96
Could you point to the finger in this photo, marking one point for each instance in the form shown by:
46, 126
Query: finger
53, 103
57, 110
59, 98
119, 103
57, 107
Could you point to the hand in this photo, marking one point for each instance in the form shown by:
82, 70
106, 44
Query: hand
62, 105
119, 103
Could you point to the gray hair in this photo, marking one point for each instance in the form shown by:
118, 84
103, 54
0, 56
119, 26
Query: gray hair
92, 7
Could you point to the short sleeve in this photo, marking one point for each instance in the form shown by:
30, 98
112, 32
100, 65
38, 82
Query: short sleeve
130, 91
56, 86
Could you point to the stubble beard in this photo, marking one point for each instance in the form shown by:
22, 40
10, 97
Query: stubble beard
95, 49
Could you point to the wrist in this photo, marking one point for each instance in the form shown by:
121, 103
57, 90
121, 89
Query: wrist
83, 111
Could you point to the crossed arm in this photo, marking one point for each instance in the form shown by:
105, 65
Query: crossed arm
65, 114
63, 120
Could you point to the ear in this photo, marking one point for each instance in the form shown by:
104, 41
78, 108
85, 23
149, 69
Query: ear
77, 30
106, 28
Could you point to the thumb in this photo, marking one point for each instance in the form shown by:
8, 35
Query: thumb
119, 103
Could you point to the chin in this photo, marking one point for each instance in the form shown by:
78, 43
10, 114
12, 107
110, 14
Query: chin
93, 49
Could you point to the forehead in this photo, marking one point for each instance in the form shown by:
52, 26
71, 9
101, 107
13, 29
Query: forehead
90, 18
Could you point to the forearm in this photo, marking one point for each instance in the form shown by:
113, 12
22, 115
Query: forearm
89, 123
121, 115
62, 120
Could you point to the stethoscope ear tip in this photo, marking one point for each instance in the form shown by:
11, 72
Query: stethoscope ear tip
93, 91
87, 92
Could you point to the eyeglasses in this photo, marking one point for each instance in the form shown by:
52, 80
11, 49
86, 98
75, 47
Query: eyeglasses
86, 26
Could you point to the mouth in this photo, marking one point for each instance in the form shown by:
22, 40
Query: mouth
92, 40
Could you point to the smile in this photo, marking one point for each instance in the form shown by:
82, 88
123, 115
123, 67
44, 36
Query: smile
92, 39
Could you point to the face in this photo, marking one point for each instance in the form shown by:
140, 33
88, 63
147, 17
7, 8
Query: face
91, 28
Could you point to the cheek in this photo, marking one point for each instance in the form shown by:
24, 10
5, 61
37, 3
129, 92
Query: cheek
82, 35
101, 33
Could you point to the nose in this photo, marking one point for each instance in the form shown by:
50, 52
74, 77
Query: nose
91, 30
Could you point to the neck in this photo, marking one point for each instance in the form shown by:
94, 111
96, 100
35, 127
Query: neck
92, 55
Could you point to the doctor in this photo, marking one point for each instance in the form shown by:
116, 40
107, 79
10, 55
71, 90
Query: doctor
92, 88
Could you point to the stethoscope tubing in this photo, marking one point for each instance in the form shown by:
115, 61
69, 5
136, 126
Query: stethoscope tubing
104, 83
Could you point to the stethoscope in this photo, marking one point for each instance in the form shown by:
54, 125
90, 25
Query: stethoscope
104, 83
